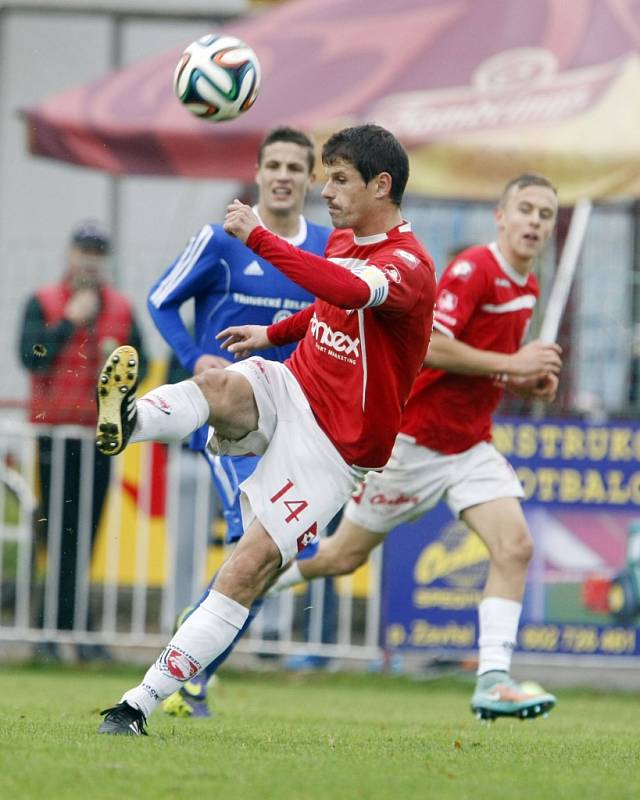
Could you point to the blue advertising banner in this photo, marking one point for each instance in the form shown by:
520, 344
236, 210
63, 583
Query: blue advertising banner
582, 488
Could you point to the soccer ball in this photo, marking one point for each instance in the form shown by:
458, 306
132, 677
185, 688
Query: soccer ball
217, 77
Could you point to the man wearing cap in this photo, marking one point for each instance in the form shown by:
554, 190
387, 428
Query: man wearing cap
67, 329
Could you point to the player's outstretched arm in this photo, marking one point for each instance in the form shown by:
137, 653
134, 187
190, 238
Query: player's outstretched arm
534, 360
243, 340
319, 276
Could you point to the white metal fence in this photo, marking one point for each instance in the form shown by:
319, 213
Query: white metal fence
157, 544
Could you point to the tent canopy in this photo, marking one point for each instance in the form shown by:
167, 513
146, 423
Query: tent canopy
478, 90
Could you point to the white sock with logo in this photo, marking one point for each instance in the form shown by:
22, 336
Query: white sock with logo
202, 637
170, 412
499, 619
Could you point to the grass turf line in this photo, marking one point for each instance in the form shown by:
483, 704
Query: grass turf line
311, 737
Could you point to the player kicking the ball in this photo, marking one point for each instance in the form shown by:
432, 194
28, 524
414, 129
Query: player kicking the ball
320, 420
484, 303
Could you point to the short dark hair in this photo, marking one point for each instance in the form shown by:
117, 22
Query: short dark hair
524, 180
371, 149
283, 133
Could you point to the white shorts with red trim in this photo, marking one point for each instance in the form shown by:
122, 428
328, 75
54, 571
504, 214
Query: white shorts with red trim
415, 479
301, 480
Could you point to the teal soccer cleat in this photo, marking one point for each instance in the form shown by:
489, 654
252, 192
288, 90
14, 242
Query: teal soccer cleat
498, 695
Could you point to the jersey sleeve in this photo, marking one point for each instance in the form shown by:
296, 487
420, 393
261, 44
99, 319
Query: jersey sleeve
194, 272
460, 290
319, 276
291, 329
398, 281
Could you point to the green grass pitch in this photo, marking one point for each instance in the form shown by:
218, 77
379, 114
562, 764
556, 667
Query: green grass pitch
310, 737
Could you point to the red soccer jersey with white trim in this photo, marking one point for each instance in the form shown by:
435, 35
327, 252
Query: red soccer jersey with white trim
485, 303
356, 367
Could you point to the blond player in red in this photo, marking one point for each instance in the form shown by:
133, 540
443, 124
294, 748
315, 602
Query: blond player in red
320, 420
484, 304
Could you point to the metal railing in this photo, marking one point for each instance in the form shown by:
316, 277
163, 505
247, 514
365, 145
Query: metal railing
159, 540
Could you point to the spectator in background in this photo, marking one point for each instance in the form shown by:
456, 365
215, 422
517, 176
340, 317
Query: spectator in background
67, 329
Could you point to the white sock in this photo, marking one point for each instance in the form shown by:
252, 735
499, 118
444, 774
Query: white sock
201, 638
170, 412
498, 630
290, 577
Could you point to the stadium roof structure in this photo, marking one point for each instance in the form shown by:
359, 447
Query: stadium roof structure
478, 90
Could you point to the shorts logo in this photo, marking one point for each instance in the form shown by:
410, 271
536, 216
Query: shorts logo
447, 301
307, 537
175, 662
400, 500
337, 340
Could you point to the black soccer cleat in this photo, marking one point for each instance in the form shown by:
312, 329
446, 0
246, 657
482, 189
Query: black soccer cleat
123, 720
116, 394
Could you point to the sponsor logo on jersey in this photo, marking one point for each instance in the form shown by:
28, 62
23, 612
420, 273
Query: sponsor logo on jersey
447, 301
337, 341
175, 662
503, 282
270, 302
253, 269
462, 269
407, 257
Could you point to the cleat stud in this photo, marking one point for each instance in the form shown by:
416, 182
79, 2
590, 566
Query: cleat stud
103, 427
108, 368
115, 359
123, 389
131, 362
103, 392
117, 378
104, 379
129, 376
536, 709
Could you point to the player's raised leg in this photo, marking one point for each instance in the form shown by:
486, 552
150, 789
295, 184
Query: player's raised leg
502, 526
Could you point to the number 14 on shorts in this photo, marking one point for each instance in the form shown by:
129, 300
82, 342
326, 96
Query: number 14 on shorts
293, 508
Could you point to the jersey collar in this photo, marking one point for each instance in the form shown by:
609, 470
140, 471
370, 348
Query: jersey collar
509, 271
296, 240
403, 227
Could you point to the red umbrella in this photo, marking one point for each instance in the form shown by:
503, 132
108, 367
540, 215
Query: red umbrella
477, 90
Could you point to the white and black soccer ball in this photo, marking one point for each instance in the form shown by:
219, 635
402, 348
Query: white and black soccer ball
217, 77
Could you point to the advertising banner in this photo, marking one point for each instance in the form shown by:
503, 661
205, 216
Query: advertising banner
582, 504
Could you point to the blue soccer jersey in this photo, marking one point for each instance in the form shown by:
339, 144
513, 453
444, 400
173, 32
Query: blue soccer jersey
229, 285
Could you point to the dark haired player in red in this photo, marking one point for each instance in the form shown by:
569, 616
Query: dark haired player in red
320, 421
484, 304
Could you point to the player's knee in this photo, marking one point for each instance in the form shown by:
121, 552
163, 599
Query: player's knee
229, 395
515, 547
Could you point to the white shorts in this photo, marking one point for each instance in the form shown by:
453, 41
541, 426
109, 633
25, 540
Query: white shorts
301, 481
415, 479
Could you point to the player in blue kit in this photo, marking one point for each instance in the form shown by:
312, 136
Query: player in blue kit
230, 285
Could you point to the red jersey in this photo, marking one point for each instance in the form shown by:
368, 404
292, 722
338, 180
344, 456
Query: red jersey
485, 303
363, 339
